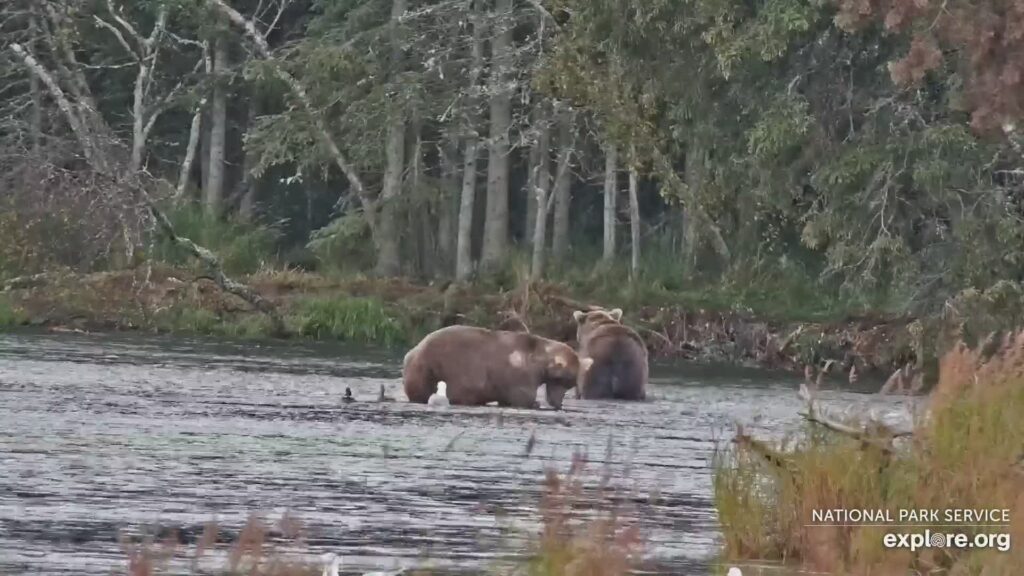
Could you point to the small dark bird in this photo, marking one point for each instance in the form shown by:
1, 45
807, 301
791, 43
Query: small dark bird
382, 397
348, 395
530, 442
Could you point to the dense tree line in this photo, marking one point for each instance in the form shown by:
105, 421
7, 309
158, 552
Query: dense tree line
870, 145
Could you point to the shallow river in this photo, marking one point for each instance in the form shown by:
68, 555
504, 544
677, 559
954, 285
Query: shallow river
103, 433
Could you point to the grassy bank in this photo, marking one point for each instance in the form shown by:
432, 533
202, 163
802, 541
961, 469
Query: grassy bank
397, 312
771, 311
967, 453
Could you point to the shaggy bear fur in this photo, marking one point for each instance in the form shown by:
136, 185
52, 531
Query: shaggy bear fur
619, 355
481, 366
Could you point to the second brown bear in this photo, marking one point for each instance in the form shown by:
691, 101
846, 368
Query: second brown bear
619, 355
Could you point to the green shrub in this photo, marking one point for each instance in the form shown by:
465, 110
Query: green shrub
9, 314
356, 320
242, 247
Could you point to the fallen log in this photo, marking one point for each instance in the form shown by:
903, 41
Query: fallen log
29, 281
214, 268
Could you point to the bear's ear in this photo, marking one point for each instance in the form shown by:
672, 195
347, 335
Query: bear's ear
586, 363
579, 316
616, 314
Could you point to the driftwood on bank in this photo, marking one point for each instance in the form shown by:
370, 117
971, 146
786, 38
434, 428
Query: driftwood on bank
762, 449
905, 380
871, 434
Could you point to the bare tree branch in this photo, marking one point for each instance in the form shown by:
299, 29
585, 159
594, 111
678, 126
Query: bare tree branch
340, 159
77, 126
124, 24
117, 33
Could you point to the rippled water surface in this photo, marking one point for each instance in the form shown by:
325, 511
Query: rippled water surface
100, 433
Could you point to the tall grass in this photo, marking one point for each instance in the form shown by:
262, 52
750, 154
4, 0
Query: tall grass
349, 319
242, 247
9, 314
967, 454
572, 544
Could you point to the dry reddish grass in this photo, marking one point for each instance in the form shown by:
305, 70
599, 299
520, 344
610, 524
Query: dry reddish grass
581, 534
967, 454
572, 545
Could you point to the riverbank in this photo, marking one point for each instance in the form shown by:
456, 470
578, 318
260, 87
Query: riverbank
397, 312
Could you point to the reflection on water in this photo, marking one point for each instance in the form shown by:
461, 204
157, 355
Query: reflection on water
103, 433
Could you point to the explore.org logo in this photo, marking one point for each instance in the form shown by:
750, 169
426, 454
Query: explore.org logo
928, 539
915, 529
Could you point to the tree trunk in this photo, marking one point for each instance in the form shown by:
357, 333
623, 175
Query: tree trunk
563, 182
447, 208
37, 115
185, 173
249, 184
37, 93
388, 256
634, 216
426, 250
214, 192
467, 196
204, 153
463, 249
531, 196
542, 183
496, 218
389, 261
195, 133
692, 174
611, 174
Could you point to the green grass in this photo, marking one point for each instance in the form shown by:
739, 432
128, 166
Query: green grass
242, 247
349, 319
9, 314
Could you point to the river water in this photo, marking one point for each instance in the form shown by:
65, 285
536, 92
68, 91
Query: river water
103, 433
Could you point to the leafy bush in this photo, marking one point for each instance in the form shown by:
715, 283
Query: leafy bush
242, 247
9, 314
359, 320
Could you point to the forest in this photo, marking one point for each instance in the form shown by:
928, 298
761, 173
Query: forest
798, 158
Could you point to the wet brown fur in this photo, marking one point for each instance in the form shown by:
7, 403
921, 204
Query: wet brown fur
477, 366
620, 363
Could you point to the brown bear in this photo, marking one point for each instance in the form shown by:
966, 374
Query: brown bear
482, 366
618, 354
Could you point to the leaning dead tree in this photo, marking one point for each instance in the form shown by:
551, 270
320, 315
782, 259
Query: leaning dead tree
259, 42
868, 432
117, 159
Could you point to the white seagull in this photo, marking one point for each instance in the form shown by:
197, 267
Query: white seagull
332, 562
439, 398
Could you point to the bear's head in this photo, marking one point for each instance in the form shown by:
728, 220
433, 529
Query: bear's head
561, 371
587, 321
